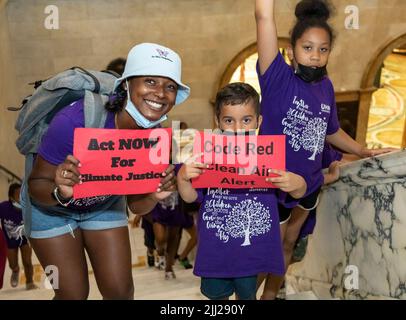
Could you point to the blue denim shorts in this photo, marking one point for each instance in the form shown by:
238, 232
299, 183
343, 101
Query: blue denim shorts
45, 225
221, 288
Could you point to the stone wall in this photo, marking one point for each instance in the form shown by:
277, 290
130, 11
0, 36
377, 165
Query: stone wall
9, 156
357, 250
206, 33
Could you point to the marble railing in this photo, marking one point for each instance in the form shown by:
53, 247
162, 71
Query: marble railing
358, 248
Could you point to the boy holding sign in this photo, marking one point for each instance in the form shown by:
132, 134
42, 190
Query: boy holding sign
238, 229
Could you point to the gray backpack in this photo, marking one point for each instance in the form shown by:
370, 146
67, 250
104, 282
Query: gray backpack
51, 96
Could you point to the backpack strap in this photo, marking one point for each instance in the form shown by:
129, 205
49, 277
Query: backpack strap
95, 80
25, 197
94, 110
112, 72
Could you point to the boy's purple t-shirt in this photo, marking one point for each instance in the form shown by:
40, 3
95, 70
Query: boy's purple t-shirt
238, 233
11, 219
57, 143
304, 112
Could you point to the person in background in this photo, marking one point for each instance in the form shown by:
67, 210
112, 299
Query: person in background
3, 257
117, 65
12, 226
149, 237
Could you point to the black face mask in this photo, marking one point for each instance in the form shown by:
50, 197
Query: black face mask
239, 133
310, 74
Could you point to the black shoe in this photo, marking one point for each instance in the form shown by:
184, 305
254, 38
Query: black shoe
185, 263
150, 259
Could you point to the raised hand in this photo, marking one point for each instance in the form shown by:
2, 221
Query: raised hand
267, 38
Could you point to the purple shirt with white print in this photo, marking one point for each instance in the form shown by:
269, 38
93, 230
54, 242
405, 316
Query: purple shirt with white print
11, 219
238, 233
304, 112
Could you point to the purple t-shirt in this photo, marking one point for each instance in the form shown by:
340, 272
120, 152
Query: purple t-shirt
304, 112
168, 212
57, 143
11, 222
238, 233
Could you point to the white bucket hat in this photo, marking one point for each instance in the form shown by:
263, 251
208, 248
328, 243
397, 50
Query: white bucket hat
150, 59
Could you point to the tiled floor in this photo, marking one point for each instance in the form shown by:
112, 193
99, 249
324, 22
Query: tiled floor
149, 282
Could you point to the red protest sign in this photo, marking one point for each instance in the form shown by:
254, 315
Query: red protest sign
238, 161
120, 161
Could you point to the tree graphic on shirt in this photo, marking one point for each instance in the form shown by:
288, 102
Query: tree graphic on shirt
312, 137
12, 229
248, 218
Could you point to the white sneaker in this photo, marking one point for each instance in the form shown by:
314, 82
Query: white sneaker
160, 262
170, 275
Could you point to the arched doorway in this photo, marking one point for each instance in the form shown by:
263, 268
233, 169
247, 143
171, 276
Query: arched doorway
242, 66
381, 117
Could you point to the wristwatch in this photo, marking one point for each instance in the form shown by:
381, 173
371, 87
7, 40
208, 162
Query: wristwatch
61, 200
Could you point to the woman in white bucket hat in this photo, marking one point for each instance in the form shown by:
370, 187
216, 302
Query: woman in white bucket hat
152, 78
63, 228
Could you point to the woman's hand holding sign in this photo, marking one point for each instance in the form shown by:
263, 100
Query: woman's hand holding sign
167, 184
67, 175
143, 203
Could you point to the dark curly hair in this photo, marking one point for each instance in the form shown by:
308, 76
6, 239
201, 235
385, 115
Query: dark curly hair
312, 14
116, 101
12, 189
117, 65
